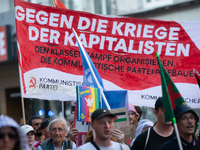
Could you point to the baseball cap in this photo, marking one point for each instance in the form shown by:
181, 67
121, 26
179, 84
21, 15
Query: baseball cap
181, 109
27, 128
44, 123
98, 113
159, 103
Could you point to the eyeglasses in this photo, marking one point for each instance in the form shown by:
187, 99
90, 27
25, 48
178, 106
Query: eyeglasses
11, 135
192, 118
54, 130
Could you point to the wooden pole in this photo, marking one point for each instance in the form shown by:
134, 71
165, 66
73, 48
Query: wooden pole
54, 3
23, 110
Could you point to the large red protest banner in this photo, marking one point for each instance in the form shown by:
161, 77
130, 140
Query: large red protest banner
122, 48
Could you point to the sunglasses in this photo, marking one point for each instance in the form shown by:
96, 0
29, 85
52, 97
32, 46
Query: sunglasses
10, 135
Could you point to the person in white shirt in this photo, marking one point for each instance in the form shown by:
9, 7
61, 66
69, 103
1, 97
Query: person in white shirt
102, 124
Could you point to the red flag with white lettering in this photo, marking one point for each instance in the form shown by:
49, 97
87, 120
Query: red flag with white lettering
122, 49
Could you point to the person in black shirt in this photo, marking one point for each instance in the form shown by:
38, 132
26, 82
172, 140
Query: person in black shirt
158, 135
186, 120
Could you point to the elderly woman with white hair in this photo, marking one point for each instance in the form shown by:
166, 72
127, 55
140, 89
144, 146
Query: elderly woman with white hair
58, 130
143, 125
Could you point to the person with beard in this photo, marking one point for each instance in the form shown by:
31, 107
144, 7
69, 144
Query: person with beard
45, 132
35, 122
186, 121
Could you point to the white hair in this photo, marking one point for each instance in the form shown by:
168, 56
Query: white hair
58, 119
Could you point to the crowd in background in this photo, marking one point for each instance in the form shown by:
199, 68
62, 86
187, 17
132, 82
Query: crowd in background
58, 134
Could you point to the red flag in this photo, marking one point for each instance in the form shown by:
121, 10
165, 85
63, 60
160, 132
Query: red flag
58, 4
197, 77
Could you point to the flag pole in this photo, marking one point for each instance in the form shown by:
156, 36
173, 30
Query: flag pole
23, 111
93, 74
53, 1
168, 99
194, 71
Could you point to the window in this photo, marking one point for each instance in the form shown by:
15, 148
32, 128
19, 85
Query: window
156, 3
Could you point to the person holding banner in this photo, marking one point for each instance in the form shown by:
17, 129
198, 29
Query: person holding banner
102, 124
186, 121
58, 130
159, 134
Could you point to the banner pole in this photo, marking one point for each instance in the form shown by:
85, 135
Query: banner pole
147, 112
63, 111
23, 110
93, 74
177, 134
53, 3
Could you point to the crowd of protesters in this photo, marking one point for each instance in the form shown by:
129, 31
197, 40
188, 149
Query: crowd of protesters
55, 134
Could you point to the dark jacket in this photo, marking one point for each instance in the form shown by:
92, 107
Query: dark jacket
48, 144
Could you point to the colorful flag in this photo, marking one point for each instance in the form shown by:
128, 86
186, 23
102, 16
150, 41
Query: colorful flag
197, 77
87, 101
58, 4
171, 96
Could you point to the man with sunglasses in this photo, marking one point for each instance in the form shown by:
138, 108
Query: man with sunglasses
58, 130
35, 122
186, 120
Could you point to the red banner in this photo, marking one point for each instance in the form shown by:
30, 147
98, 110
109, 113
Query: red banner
122, 48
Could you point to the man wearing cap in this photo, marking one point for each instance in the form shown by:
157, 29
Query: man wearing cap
102, 124
30, 132
158, 134
133, 118
186, 120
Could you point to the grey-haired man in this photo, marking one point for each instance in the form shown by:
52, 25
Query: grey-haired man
58, 130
